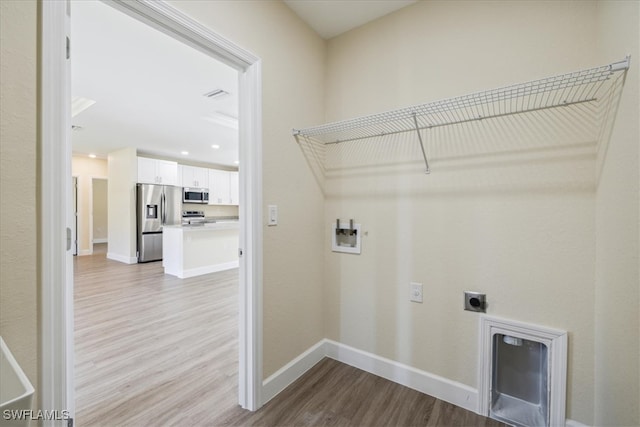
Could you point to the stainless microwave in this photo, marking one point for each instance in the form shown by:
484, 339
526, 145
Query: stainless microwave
195, 195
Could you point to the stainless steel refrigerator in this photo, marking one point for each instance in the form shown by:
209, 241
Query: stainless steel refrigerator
158, 205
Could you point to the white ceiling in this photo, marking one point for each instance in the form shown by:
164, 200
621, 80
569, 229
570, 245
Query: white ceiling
330, 18
148, 89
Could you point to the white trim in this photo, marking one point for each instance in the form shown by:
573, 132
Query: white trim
250, 211
439, 387
56, 389
122, 258
293, 370
199, 271
574, 423
556, 342
100, 240
171, 21
85, 252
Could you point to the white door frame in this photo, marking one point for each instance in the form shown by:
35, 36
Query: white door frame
56, 272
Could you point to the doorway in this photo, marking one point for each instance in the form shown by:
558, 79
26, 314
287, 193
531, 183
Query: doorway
56, 278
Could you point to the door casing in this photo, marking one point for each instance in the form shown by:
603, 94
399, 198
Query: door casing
56, 391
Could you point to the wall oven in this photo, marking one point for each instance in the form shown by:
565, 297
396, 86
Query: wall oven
195, 195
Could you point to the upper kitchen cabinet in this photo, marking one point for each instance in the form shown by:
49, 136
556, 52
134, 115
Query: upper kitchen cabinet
154, 171
195, 177
219, 190
234, 188
223, 187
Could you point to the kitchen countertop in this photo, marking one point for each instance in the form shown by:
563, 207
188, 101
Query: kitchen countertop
208, 226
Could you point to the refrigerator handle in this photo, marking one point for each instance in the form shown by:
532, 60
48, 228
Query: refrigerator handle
164, 209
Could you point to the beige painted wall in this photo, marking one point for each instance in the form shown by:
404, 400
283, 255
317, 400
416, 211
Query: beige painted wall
85, 169
18, 204
617, 289
467, 226
509, 208
122, 175
100, 209
293, 92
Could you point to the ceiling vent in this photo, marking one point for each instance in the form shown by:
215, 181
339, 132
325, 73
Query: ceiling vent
216, 93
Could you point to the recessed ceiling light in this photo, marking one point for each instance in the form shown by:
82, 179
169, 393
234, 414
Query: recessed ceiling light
184, 153
215, 146
93, 156
237, 162
216, 93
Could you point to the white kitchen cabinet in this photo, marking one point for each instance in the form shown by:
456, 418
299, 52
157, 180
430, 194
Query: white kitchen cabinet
219, 187
223, 187
154, 171
234, 188
195, 177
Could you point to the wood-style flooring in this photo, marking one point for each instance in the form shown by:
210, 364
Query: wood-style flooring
152, 349
155, 350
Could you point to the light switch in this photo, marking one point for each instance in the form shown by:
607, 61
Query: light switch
273, 215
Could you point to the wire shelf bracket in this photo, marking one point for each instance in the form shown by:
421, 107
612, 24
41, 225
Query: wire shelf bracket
563, 90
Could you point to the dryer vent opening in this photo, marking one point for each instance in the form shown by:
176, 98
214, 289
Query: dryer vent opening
523, 374
520, 387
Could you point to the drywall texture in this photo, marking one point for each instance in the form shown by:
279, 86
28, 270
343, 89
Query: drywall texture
293, 94
123, 175
85, 169
617, 286
18, 203
509, 208
99, 210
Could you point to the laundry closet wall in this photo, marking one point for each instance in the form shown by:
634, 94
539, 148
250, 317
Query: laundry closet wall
18, 184
617, 281
509, 207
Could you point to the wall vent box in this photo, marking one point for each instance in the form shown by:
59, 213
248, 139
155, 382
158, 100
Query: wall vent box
523, 373
346, 237
520, 392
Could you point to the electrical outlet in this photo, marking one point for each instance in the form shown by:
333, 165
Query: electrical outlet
415, 290
475, 301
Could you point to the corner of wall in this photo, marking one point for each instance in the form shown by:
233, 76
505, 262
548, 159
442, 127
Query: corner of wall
617, 283
121, 213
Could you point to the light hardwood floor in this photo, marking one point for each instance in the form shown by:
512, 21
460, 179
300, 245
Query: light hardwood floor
155, 350
152, 349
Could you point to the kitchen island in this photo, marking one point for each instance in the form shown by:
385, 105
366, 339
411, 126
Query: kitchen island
193, 250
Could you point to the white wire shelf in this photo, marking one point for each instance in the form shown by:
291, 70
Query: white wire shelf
558, 91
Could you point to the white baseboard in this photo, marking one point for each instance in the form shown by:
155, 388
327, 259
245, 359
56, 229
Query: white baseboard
573, 423
85, 252
433, 385
103, 240
192, 272
122, 258
439, 387
292, 371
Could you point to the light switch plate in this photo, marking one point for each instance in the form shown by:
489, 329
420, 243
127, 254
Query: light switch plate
415, 290
273, 215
